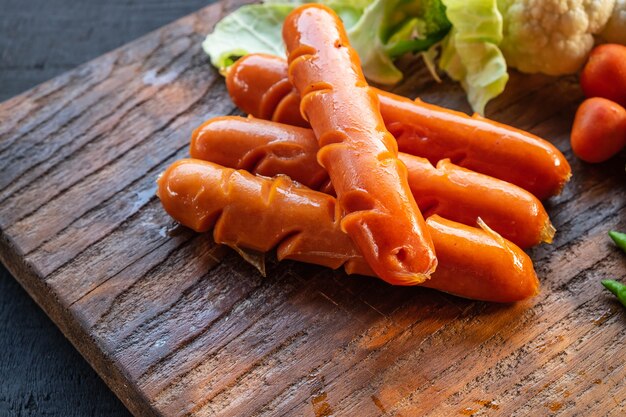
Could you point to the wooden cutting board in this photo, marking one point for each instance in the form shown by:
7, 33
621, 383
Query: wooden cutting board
178, 326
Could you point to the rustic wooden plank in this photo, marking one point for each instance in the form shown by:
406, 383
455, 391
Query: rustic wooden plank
11, 253
178, 326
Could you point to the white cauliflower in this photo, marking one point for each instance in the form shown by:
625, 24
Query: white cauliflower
615, 29
551, 36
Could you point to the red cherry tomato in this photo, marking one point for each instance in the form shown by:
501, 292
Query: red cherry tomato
604, 74
599, 130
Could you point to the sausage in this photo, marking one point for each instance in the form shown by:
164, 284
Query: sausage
270, 149
478, 144
251, 85
379, 212
259, 85
261, 147
259, 213
477, 263
256, 213
421, 129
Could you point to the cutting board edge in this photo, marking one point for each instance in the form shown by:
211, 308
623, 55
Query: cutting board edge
28, 278
78, 335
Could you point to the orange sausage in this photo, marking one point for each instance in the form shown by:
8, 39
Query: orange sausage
259, 85
258, 213
270, 149
426, 130
360, 155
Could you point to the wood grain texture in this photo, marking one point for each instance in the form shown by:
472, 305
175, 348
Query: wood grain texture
41, 372
178, 326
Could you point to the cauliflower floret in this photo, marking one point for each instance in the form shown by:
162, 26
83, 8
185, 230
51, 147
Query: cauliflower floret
615, 29
551, 36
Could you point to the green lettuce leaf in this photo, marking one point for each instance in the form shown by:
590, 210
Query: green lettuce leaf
367, 37
470, 51
257, 28
379, 30
390, 28
249, 29
348, 10
428, 26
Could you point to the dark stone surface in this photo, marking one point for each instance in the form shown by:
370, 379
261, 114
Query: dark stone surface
41, 374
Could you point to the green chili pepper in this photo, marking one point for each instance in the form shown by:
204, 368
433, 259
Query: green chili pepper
619, 239
616, 288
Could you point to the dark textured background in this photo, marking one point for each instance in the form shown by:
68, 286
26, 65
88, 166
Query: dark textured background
41, 374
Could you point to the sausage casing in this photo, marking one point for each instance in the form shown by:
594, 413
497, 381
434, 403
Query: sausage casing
379, 212
246, 211
421, 129
270, 149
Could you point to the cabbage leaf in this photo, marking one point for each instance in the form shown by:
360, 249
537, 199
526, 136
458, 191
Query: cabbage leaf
470, 52
379, 30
